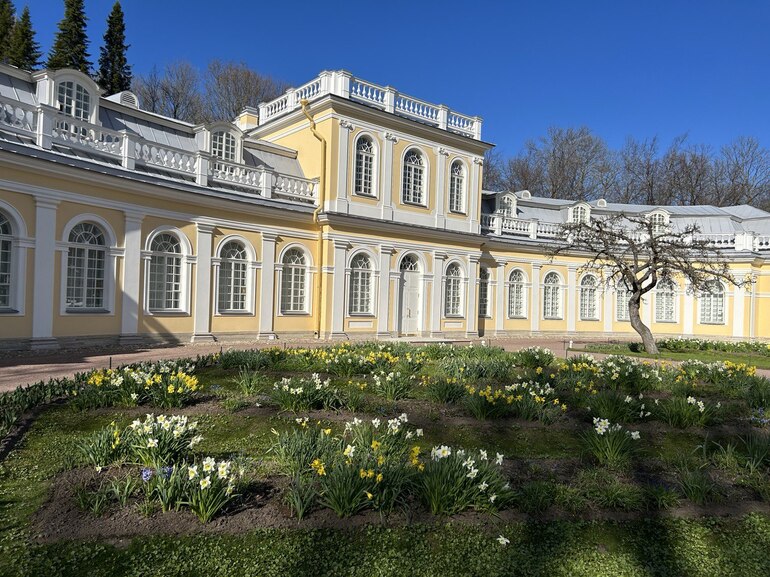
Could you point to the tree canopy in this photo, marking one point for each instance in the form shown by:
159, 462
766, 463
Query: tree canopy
23, 50
70, 49
114, 71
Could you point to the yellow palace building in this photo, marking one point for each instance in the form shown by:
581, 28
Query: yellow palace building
342, 209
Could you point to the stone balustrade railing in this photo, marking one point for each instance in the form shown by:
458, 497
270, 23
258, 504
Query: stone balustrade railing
345, 85
264, 182
85, 135
18, 116
501, 225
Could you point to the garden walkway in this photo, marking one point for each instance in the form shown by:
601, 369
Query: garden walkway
25, 367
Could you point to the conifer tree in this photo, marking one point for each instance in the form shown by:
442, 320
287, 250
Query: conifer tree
23, 51
70, 49
114, 70
7, 21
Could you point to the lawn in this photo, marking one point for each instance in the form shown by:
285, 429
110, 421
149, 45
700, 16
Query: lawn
391, 459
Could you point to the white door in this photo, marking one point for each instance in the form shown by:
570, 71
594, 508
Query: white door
410, 296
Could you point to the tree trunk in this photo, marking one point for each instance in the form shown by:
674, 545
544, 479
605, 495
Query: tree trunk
636, 321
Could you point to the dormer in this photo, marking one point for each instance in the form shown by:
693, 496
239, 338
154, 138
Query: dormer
126, 98
579, 212
223, 141
659, 219
506, 204
73, 93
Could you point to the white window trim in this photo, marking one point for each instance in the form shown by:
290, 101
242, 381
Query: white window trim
587, 207
252, 265
490, 285
500, 207
464, 189
675, 301
624, 290
112, 252
525, 285
88, 85
20, 242
310, 272
659, 211
725, 308
187, 261
373, 286
232, 131
597, 315
560, 291
426, 177
375, 165
463, 290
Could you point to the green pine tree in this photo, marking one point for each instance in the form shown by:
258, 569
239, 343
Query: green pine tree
70, 49
114, 70
23, 51
7, 21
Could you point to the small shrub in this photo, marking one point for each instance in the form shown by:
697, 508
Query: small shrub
251, 381
610, 444
536, 496
102, 448
210, 487
683, 412
534, 358
696, 484
755, 451
660, 497
393, 385
302, 394
758, 393
300, 496
445, 390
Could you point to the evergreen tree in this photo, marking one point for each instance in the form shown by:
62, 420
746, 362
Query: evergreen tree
70, 49
7, 21
114, 71
23, 51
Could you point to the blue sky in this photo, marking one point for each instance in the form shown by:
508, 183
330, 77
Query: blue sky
640, 68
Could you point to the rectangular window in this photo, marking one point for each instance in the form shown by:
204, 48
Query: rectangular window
165, 282
293, 289
5, 273
413, 176
452, 302
484, 298
364, 174
622, 297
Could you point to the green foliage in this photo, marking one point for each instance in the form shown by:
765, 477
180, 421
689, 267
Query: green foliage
124, 488
160, 441
534, 357
70, 48
301, 394
95, 502
393, 385
344, 489
755, 451
296, 449
114, 71
696, 484
610, 444
758, 393
444, 390
7, 25
300, 496
683, 412
536, 496
23, 49
103, 447
251, 381
209, 489
252, 360
603, 488
629, 375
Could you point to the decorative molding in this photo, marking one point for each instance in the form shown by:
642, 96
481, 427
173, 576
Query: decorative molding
390, 136
347, 124
443, 151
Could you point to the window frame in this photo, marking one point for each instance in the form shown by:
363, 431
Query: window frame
556, 290
586, 307
461, 207
580, 208
374, 182
674, 294
706, 299
251, 265
19, 243
424, 201
484, 280
457, 294
622, 294
523, 284
186, 260
307, 281
354, 281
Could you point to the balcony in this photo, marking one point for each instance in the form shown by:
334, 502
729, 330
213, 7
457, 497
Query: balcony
345, 85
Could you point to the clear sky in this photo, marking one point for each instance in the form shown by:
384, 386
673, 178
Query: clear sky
640, 68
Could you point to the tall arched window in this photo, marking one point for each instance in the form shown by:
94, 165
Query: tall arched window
294, 282
516, 296
165, 286
579, 214
712, 304
483, 292
364, 183
361, 285
665, 299
86, 260
74, 100
551, 296
233, 277
622, 295
223, 145
413, 188
6, 256
457, 187
659, 222
409, 264
508, 206
453, 291
588, 298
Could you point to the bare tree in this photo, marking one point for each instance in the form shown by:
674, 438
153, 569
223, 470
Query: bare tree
230, 87
743, 173
639, 253
493, 176
175, 93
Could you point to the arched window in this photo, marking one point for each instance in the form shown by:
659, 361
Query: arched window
165, 286
508, 206
361, 285
413, 188
86, 259
579, 214
551, 296
6, 261
294, 282
665, 299
588, 298
712, 304
516, 296
223, 145
74, 100
364, 183
483, 292
457, 187
659, 222
409, 264
622, 295
233, 277
453, 291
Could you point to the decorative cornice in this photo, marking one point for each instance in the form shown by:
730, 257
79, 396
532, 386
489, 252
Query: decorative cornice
390, 136
347, 124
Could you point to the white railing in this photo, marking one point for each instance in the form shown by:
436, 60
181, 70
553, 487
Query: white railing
18, 116
81, 134
516, 226
294, 188
237, 174
487, 221
344, 85
548, 229
762, 242
721, 240
166, 157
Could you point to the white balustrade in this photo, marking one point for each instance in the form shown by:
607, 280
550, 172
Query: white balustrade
78, 133
166, 157
18, 116
719, 240
411, 107
294, 188
367, 93
462, 124
516, 226
762, 242
548, 229
237, 174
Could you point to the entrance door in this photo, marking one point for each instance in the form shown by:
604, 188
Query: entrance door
411, 296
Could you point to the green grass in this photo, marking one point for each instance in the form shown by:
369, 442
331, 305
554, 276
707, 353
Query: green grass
760, 361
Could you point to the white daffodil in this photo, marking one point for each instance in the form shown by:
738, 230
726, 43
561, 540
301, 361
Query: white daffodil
503, 540
192, 472
205, 483
499, 459
208, 464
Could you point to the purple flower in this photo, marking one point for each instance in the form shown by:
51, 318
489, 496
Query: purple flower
147, 474
166, 472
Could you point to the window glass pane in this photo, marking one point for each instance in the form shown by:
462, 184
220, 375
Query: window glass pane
413, 178
293, 281
86, 267
364, 171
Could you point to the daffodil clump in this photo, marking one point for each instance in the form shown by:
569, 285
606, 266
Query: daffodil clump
302, 394
683, 412
455, 480
627, 374
579, 374
535, 401
393, 385
488, 402
619, 406
211, 485
535, 357
610, 444
347, 359
162, 440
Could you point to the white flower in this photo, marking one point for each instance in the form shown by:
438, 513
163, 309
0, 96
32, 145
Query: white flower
152, 443
376, 423
483, 455
628, 399
503, 540
195, 440
499, 459
440, 452
349, 450
134, 396
483, 486
192, 472
701, 406
492, 498
402, 418
472, 473
136, 424
635, 435
418, 432
208, 464
205, 483
690, 400
409, 434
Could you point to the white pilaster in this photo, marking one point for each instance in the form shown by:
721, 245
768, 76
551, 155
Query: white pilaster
44, 281
383, 299
341, 202
441, 189
437, 298
267, 288
338, 309
500, 309
131, 289
739, 303
688, 321
386, 166
534, 311
202, 313
472, 310
571, 297
474, 194
608, 294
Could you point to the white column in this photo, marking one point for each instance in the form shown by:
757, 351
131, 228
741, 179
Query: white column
387, 175
608, 294
441, 189
646, 307
472, 310
474, 194
571, 297
341, 202
202, 313
501, 311
534, 312
739, 302
688, 315
383, 298
267, 288
338, 289
131, 289
44, 281
437, 296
